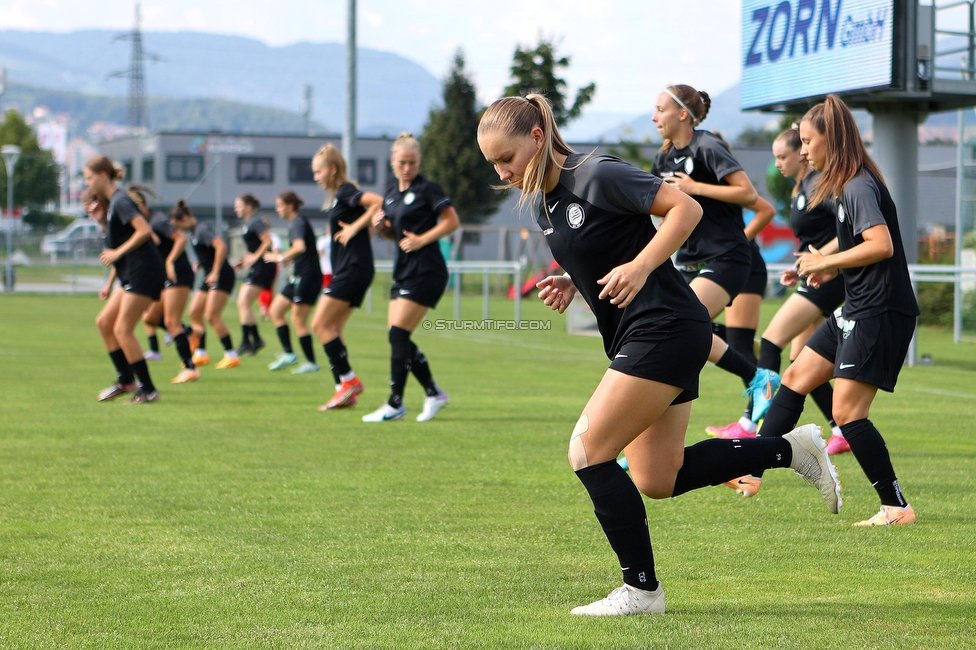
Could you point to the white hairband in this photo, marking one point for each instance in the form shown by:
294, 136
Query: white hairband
680, 103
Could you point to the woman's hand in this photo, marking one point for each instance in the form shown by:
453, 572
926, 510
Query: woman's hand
789, 277
683, 182
344, 234
109, 256
623, 283
412, 242
171, 272
105, 292
557, 291
815, 267
213, 277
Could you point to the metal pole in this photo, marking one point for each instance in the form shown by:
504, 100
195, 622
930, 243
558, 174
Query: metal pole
957, 286
8, 278
349, 132
217, 199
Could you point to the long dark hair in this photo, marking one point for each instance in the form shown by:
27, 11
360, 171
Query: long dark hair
845, 153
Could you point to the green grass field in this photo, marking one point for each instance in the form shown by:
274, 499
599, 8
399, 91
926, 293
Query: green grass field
233, 514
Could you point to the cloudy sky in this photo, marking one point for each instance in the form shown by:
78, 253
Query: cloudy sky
630, 48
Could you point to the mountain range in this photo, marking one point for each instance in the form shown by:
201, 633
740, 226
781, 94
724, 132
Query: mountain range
239, 84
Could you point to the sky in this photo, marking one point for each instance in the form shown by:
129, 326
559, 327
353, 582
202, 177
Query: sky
630, 48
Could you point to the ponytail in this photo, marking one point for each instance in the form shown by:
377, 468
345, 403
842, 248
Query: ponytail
516, 117
104, 165
180, 211
696, 102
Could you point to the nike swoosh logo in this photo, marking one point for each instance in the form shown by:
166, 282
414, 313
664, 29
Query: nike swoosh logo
768, 394
621, 356
552, 208
802, 289
678, 161
706, 271
845, 366
404, 292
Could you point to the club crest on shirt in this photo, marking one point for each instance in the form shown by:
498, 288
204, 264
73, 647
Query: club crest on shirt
689, 165
409, 198
841, 214
575, 215
801, 201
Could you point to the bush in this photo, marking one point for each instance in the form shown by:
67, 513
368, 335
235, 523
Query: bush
39, 220
935, 303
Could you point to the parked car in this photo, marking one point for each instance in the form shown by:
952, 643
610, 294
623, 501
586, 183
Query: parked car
83, 234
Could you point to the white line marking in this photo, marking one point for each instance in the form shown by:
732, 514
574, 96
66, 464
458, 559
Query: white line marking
946, 393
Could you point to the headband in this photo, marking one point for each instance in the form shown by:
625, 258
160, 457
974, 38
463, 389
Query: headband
682, 105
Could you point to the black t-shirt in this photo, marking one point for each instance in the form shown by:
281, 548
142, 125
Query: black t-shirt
358, 252
251, 233
165, 230
597, 218
145, 260
416, 210
306, 264
707, 159
202, 240
885, 285
812, 226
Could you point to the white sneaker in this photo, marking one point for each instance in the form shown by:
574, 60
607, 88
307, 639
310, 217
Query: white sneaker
625, 601
810, 461
152, 355
432, 405
385, 413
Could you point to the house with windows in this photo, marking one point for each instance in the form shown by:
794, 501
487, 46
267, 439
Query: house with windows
211, 169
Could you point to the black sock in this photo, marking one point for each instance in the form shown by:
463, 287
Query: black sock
245, 335
123, 371
307, 348
227, 343
719, 330
203, 340
399, 370
421, 370
153, 343
183, 349
743, 341
770, 355
713, 462
285, 337
823, 395
737, 364
783, 413
255, 335
338, 356
187, 329
619, 508
747, 413
141, 371
871, 452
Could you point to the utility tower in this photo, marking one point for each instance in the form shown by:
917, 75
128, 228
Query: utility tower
136, 113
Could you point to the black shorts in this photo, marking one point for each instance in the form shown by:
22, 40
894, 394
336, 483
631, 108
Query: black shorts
350, 285
730, 273
262, 274
758, 276
225, 282
145, 284
871, 350
184, 277
828, 297
424, 289
303, 290
673, 355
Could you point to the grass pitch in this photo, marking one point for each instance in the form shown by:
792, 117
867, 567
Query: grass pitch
233, 514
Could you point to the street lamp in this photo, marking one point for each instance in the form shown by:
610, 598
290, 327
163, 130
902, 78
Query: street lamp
10, 153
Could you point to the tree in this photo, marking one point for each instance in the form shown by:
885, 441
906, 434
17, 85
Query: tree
780, 187
534, 71
36, 174
451, 155
633, 152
